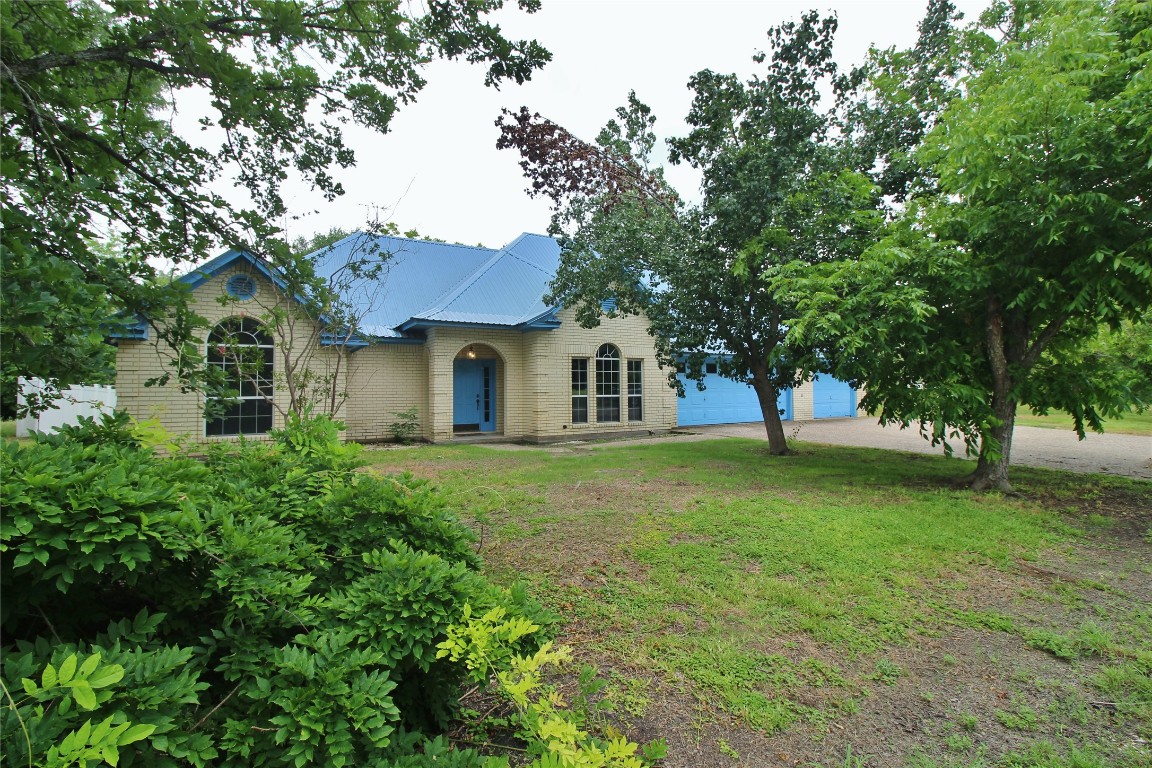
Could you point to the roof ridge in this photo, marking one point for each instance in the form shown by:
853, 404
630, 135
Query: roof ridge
430, 242
523, 260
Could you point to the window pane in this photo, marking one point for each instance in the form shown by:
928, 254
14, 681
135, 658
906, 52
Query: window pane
579, 390
579, 376
607, 383
242, 349
635, 390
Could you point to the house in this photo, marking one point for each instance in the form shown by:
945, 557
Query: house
461, 334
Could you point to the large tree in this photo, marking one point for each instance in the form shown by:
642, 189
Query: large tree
89, 90
987, 293
773, 192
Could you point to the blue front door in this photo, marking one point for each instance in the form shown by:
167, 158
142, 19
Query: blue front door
474, 395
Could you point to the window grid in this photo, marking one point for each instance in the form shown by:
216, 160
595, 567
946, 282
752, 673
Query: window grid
242, 349
607, 383
635, 390
579, 390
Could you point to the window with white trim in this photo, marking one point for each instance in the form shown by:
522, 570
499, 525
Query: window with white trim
243, 350
635, 390
579, 390
607, 383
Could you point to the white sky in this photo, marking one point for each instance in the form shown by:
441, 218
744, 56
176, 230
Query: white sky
438, 170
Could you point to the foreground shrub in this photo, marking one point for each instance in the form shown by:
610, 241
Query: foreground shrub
265, 605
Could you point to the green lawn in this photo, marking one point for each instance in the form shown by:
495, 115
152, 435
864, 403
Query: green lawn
786, 598
7, 429
1132, 424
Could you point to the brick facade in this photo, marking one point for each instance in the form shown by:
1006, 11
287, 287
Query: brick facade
532, 383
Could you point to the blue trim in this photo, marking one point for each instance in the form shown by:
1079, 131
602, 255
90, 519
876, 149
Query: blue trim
540, 325
137, 331
397, 340
545, 321
328, 339
420, 324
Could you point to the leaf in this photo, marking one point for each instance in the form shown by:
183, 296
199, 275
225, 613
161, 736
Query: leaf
106, 676
84, 695
89, 665
135, 733
100, 732
48, 678
67, 669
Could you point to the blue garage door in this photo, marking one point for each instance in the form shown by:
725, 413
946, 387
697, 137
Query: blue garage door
723, 402
832, 397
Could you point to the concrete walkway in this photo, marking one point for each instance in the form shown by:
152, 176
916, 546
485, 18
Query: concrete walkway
1112, 454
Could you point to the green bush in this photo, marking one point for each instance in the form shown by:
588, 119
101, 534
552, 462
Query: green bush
267, 604
406, 426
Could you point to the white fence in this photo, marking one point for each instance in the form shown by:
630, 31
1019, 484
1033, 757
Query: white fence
90, 400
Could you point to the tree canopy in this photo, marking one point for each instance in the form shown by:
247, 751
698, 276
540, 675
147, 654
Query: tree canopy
774, 191
89, 91
985, 294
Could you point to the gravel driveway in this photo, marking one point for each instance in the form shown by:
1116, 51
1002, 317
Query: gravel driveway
1112, 454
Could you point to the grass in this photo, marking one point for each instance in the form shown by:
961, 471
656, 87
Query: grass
7, 429
1132, 424
785, 592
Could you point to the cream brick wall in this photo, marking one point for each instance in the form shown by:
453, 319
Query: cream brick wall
506, 347
550, 373
382, 380
802, 402
182, 413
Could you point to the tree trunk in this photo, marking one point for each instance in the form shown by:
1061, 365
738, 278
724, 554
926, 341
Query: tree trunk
768, 396
992, 473
991, 469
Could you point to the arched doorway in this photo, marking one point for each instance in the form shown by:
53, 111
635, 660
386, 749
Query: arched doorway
474, 389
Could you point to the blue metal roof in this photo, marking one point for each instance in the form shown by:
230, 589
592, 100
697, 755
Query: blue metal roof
423, 284
507, 290
415, 274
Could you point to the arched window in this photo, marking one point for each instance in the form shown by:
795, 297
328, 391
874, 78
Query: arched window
243, 350
607, 383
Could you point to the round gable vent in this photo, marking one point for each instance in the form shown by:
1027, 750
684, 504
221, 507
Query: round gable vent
241, 287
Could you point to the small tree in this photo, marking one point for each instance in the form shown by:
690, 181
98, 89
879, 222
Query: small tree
314, 312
